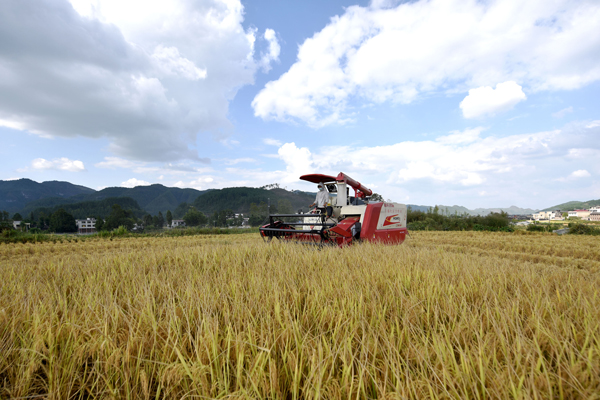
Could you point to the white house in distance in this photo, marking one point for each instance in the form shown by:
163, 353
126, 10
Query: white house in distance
87, 225
176, 223
548, 215
583, 214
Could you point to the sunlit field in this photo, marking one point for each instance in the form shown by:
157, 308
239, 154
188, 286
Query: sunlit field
444, 315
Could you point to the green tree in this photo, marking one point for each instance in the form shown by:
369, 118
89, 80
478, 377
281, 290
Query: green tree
43, 221
161, 220
181, 210
62, 222
258, 214
222, 218
147, 221
17, 217
194, 217
376, 197
119, 217
5, 216
169, 218
99, 224
284, 206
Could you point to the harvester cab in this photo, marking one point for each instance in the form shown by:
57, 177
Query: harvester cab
345, 218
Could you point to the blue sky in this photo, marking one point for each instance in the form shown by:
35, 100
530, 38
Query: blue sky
480, 104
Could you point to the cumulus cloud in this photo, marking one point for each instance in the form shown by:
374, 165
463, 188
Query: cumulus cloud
488, 101
199, 183
458, 161
149, 76
580, 173
396, 53
574, 176
169, 62
133, 182
63, 164
272, 53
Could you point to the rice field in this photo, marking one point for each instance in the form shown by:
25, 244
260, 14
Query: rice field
452, 315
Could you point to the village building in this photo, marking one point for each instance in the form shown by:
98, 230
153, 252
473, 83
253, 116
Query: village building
177, 223
583, 214
87, 225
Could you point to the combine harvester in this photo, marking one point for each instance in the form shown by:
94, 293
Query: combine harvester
342, 222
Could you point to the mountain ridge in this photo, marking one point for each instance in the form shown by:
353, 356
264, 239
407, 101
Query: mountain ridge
25, 195
151, 198
574, 205
15, 194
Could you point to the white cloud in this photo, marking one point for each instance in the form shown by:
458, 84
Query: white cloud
584, 153
593, 124
63, 164
563, 112
272, 142
454, 162
297, 160
201, 182
456, 137
169, 62
378, 54
581, 173
133, 182
574, 176
147, 75
273, 51
117, 162
487, 101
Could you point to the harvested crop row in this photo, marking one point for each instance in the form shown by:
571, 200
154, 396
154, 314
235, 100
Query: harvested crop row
546, 244
189, 317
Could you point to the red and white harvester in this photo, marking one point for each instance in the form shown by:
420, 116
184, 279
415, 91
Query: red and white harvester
344, 220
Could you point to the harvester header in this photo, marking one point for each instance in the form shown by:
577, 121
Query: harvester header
344, 219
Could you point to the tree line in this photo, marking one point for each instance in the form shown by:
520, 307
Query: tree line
433, 220
127, 213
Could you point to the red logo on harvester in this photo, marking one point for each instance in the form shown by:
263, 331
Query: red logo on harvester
388, 220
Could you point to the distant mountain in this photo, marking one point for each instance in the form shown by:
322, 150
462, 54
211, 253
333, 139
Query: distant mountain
152, 198
25, 196
460, 210
14, 195
574, 205
99, 208
415, 207
239, 199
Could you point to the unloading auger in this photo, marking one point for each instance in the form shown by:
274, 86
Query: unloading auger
345, 219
